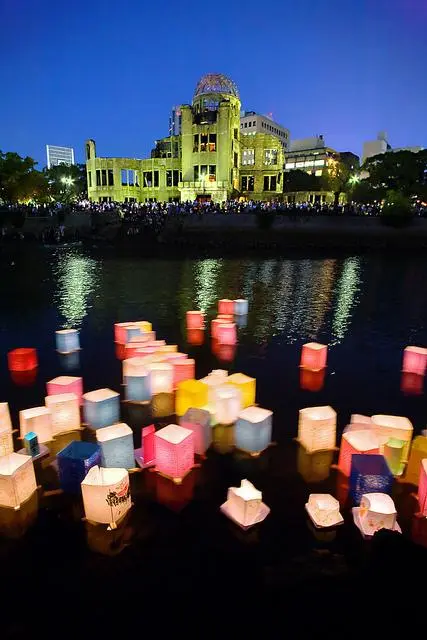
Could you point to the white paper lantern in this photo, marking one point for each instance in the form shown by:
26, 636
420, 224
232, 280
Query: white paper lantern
17, 480
227, 404
244, 505
376, 511
106, 495
317, 428
324, 510
39, 420
398, 427
65, 412
6, 438
161, 377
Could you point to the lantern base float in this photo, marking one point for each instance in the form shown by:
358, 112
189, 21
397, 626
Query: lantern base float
262, 514
359, 524
68, 353
43, 453
174, 480
140, 459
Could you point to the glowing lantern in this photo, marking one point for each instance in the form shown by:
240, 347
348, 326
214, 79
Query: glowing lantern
415, 360
314, 467
74, 461
422, 488
227, 333
145, 455
324, 510
183, 370
31, 444
244, 505
22, 359
412, 384
387, 427
314, 356
138, 387
101, 408
195, 319
144, 338
360, 419
317, 428
190, 393
199, 422
246, 385
241, 307
124, 331
312, 380
67, 341
6, 438
120, 351
161, 377
144, 325
66, 384
369, 474
216, 323
376, 511
136, 366
163, 405
17, 480
65, 412
195, 337
39, 420
227, 404
356, 442
393, 451
174, 447
215, 378
226, 306
106, 495
116, 444
253, 429
175, 356
418, 453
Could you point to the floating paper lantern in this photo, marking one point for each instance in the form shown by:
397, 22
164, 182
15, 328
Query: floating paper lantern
22, 359
161, 377
216, 378
106, 495
226, 306
418, 453
183, 370
216, 323
190, 393
227, 404
116, 444
253, 429
311, 380
120, 351
314, 467
317, 428
144, 338
195, 319
246, 385
227, 333
65, 412
17, 480
39, 420
387, 427
356, 442
314, 356
6, 438
324, 510
422, 488
360, 419
412, 384
67, 341
414, 360
124, 331
376, 511
175, 356
144, 325
168, 348
241, 307
136, 366
138, 387
393, 452
195, 337
66, 384
74, 461
174, 447
101, 408
244, 505
369, 474
31, 444
146, 454
199, 422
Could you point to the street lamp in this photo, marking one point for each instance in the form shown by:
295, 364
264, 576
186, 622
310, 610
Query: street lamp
354, 179
67, 180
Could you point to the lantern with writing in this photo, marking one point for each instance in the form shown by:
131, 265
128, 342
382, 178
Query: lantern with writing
415, 360
244, 505
199, 422
183, 370
22, 359
190, 393
195, 337
174, 447
227, 333
116, 444
138, 387
161, 377
317, 428
387, 427
246, 385
65, 412
145, 455
226, 306
422, 488
39, 420
364, 441
418, 453
314, 356
101, 408
227, 404
376, 511
6, 438
124, 331
253, 429
324, 510
17, 480
74, 461
106, 495
393, 451
369, 474
195, 319
67, 341
66, 384
241, 307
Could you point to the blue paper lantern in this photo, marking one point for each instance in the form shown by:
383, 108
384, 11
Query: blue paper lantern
31, 444
253, 429
116, 444
101, 408
67, 340
369, 474
241, 307
74, 461
138, 388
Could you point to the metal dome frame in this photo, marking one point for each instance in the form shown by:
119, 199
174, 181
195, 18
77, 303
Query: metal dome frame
216, 83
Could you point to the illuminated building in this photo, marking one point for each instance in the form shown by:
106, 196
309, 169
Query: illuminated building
59, 155
252, 123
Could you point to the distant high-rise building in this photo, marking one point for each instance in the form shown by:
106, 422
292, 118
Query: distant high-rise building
175, 122
252, 123
381, 145
59, 155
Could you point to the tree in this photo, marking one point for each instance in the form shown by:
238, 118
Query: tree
19, 179
298, 180
363, 192
402, 171
336, 178
67, 183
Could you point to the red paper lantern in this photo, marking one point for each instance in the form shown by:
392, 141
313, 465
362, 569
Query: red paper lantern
183, 370
226, 306
195, 319
415, 360
313, 356
22, 359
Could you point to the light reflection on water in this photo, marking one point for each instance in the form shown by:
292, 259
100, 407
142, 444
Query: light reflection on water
77, 278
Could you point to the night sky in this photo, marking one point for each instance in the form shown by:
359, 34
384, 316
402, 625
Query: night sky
112, 70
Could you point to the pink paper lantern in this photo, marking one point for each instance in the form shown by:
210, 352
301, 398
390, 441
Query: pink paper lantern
415, 360
226, 306
123, 331
215, 325
356, 442
148, 443
66, 384
195, 319
174, 447
183, 370
314, 356
422, 488
174, 356
227, 333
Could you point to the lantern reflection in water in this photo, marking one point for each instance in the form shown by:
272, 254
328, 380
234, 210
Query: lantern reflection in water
317, 428
412, 384
314, 467
65, 412
419, 530
39, 420
223, 438
174, 447
22, 359
14, 523
163, 405
120, 351
24, 378
418, 453
174, 496
369, 474
17, 480
195, 337
66, 384
415, 360
312, 380
106, 495
224, 352
6, 438
69, 361
109, 542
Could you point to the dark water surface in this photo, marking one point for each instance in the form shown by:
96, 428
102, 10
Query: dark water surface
175, 543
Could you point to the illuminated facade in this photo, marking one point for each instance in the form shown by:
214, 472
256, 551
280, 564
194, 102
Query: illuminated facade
208, 160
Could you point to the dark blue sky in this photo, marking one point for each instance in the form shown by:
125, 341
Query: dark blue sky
112, 70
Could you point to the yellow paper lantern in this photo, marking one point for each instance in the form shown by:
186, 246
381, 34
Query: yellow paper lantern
418, 453
317, 428
65, 412
39, 420
190, 394
17, 480
247, 386
387, 427
144, 325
